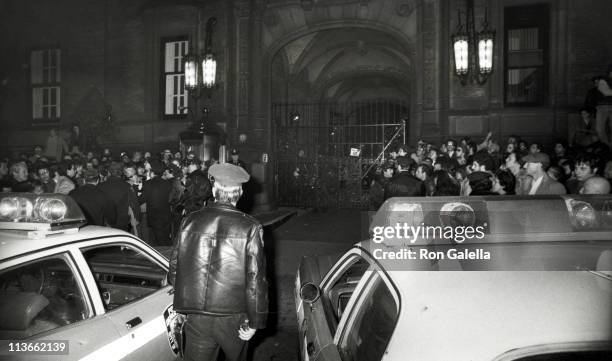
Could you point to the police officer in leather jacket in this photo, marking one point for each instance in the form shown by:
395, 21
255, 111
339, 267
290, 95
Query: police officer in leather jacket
218, 272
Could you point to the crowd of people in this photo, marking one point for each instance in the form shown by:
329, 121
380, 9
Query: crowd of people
148, 195
142, 193
466, 168
583, 164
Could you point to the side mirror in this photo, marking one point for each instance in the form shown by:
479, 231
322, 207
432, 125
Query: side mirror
310, 293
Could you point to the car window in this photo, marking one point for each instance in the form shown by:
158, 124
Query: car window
372, 325
571, 356
40, 296
124, 273
341, 290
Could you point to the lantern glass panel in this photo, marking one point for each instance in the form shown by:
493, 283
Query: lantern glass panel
461, 55
209, 70
191, 73
485, 55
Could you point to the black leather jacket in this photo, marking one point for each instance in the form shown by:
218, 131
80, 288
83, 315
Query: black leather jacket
218, 267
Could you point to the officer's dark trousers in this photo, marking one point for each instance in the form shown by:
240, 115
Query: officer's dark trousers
204, 335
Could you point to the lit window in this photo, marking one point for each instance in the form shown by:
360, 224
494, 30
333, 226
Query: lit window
526, 75
175, 96
45, 78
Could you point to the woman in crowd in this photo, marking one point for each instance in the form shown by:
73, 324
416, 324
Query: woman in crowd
504, 183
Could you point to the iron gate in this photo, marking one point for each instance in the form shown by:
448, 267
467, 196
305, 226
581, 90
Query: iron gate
324, 150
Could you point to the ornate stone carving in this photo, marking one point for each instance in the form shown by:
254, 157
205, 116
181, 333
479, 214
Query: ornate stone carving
405, 8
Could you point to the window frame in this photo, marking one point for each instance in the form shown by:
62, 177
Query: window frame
328, 282
85, 248
67, 256
163, 74
374, 277
339, 329
45, 85
534, 19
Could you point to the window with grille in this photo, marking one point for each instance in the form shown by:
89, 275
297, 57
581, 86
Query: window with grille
174, 94
526, 54
45, 77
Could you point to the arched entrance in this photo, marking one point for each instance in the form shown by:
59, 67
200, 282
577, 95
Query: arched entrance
338, 96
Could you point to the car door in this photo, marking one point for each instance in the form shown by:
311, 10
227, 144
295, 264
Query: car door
44, 297
318, 322
371, 320
131, 282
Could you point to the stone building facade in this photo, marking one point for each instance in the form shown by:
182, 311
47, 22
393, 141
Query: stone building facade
297, 51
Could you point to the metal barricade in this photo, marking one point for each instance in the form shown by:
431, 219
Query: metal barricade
323, 151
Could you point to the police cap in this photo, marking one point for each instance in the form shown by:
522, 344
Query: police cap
228, 174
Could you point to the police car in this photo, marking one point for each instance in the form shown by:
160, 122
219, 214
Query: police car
497, 278
78, 293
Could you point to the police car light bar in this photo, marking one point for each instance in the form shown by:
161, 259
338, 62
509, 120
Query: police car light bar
498, 218
440, 211
39, 212
589, 213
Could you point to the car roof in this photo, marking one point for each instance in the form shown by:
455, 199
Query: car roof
481, 315
14, 243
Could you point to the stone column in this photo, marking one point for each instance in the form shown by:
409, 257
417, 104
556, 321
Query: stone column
428, 45
242, 30
257, 126
251, 109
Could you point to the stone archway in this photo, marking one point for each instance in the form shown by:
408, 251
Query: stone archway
405, 42
346, 56
291, 21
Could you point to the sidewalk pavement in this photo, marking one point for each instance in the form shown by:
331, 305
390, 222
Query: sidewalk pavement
331, 226
272, 218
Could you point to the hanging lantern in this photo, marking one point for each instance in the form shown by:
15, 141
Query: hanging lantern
462, 52
191, 72
200, 65
485, 52
209, 70
473, 51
